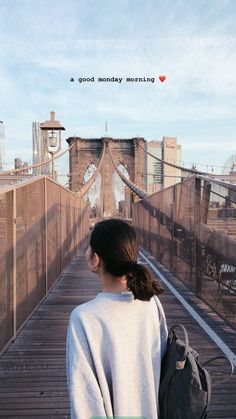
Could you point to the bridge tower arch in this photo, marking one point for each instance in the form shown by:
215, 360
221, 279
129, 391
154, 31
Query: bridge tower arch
124, 151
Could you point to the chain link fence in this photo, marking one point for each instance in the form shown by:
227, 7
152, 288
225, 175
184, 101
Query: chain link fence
41, 227
191, 229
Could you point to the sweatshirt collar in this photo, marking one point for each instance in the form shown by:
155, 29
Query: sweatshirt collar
124, 295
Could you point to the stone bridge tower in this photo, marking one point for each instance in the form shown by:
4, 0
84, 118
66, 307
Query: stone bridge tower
87, 151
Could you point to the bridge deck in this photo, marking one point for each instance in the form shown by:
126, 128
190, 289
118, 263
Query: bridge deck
32, 370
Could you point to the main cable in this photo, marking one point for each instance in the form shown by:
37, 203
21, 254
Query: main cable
195, 172
33, 166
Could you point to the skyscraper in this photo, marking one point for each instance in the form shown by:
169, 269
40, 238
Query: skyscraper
172, 153
40, 150
2, 146
154, 167
159, 175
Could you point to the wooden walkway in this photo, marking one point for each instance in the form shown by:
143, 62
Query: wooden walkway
32, 370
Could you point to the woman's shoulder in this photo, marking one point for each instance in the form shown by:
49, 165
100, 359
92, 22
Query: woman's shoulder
83, 310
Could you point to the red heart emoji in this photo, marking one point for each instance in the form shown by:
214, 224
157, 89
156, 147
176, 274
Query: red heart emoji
162, 78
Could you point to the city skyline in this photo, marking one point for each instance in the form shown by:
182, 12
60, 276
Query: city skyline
192, 44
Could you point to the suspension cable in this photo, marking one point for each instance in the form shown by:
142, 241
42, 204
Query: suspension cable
33, 166
184, 169
141, 194
84, 189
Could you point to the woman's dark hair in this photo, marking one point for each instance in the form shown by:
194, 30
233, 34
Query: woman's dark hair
115, 241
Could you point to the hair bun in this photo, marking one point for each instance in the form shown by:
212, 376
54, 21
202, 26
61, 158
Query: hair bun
133, 262
132, 265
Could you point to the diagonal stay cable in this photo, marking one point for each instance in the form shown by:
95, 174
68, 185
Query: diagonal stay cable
33, 166
84, 189
184, 169
141, 194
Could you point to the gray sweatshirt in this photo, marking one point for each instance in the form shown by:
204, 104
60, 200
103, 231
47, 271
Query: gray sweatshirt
114, 348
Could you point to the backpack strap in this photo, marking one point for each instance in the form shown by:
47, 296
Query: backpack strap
186, 344
208, 383
221, 357
175, 364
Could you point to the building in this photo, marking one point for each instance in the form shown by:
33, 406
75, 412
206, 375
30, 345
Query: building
40, 150
154, 178
18, 163
172, 153
2, 146
159, 175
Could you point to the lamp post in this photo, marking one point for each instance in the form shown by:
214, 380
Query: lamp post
52, 137
54, 145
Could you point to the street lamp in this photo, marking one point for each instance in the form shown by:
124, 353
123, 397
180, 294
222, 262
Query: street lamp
52, 137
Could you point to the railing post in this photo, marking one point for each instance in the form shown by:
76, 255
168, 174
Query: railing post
205, 201
172, 230
159, 229
14, 263
60, 241
198, 257
46, 234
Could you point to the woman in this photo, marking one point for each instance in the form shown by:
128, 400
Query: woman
116, 341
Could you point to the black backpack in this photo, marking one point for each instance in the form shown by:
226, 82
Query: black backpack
185, 385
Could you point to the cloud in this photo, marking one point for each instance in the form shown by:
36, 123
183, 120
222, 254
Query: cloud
194, 45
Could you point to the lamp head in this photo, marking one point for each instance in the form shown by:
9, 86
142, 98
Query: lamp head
53, 139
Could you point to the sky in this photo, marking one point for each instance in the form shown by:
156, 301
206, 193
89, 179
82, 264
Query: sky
193, 43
